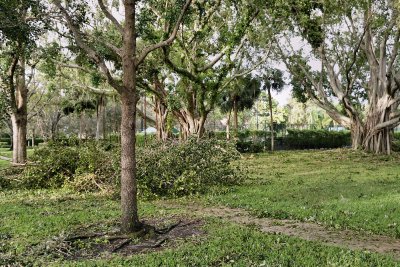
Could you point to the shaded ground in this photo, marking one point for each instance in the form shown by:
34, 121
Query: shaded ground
157, 235
304, 230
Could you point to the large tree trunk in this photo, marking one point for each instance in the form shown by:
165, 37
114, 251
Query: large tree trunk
271, 127
100, 118
54, 125
161, 112
19, 122
130, 219
19, 117
191, 125
378, 129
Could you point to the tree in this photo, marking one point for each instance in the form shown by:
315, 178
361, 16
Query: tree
23, 21
273, 81
242, 95
130, 59
204, 59
359, 62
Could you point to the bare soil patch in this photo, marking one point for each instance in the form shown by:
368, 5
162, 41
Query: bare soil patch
308, 231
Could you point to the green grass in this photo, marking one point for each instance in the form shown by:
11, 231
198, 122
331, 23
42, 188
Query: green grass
233, 245
30, 218
340, 188
6, 152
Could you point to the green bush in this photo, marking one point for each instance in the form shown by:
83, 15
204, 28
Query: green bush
314, 139
140, 139
61, 162
54, 165
163, 169
177, 169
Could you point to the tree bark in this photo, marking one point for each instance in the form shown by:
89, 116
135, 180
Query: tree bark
130, 219
145, 118
271, 127
19, 117
161, 112
191, 125
19, 138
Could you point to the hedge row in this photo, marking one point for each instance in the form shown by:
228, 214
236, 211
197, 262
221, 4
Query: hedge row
6, 141
314, 139
258, 141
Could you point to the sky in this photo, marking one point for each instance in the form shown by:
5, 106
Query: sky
284, 96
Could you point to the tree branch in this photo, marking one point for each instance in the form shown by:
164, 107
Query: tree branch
110, 16
168, 41
90, 51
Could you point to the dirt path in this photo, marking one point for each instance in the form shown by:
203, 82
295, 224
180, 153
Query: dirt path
307, 231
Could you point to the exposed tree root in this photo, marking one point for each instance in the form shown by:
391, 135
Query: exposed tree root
83, 236
168, 229
86, 245
121, 245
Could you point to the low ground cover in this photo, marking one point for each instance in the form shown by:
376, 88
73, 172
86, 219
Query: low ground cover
338, 188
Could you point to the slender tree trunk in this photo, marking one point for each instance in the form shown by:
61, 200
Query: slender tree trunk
145, 118
271, 119
130, 219
19, 117
161, 112
235, 117
100, 118
82, 126
33, 137
228, 121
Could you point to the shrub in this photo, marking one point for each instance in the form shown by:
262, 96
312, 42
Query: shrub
62, 162
177, 169
54, 164
163, 169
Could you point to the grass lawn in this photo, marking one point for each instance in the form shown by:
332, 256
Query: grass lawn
5, 152
340, 188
